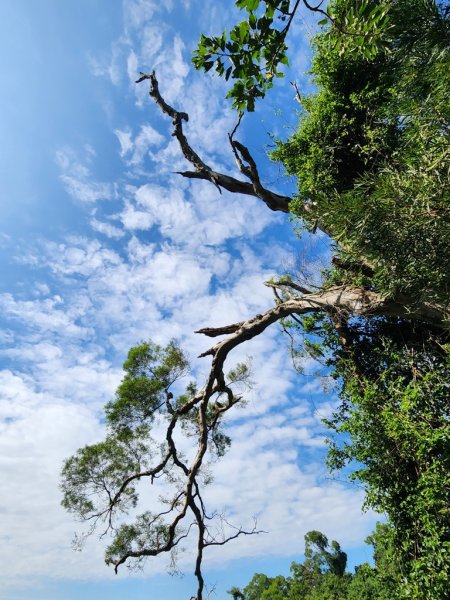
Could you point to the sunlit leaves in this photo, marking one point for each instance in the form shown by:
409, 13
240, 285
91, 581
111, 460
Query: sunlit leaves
149, 371
254, 51
96, 472
251, 53
148, 531
360, 27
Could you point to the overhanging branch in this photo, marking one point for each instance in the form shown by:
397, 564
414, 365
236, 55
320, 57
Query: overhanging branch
274, 201
346, 300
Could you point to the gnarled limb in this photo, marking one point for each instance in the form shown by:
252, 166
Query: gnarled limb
274, 201
344, 300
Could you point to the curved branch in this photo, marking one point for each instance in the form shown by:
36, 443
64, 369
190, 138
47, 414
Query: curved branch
274, 201
347, 300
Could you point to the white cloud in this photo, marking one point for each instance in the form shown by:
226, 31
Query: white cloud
151, 42
78, 180
87, 191
80, 256
125, 140
134, 220
106, 229
201, 216
109, 67
135, 150
133, 66
173, 69
45, 316
138, 12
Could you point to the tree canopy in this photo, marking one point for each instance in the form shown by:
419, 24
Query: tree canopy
322, 574
371, 159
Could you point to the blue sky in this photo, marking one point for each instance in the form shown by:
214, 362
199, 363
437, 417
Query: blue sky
101, 246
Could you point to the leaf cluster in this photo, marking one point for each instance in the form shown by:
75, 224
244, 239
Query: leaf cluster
254, 51
371, 151
251, 53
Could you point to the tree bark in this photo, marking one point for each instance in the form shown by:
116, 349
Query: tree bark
344, 300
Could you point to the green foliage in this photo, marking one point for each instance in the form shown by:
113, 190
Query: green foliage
322, 577
258, 585
235, 593
149, 372
148, 530
393, 423
361, 27
398, 422
97, 468
254, 50
319, 558
251, 53
371, 151
372, 163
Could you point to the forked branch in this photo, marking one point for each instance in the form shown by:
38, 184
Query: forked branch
253, 187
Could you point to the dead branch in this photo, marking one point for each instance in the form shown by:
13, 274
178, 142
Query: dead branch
297, 92
345, 300
274, 201
215, 331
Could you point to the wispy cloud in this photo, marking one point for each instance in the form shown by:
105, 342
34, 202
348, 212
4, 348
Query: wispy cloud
78, 180
134, 150
107, 229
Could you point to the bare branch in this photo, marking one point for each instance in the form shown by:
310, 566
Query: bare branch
318, 10
282, 285
238, 532
274, 201
297, 92
216, 331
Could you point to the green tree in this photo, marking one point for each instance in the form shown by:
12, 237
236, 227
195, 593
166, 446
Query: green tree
371, 157
100, 483
235, 593
317, 578
258, 585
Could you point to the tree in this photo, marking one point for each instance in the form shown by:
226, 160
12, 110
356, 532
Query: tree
100, 482
317, 579
372, 164
235, 593
383, 581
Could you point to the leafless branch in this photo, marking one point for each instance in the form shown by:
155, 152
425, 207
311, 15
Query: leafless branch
274, 201
216, 331
297, 92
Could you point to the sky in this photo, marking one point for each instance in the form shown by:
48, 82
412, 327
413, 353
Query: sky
103, 246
